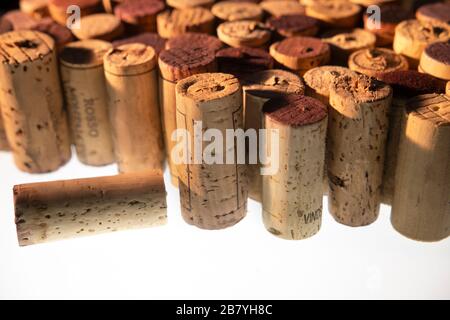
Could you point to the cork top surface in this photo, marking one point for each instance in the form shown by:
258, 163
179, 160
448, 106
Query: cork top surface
437, 11
321, 79
411, 82
186, 17
378, 59
424, 32
439, 51
354, 39
85, 53
63, 4
195, 39
20, 20
148, 38
243, 60
131, 58
99, 25
24, 46
292, 23
360, 88
302, 47
244, 30
431, 107
274, 80
235, 11
282, 7
335, 9
131, 10
208, 86
60, 34
178, 63
182, 4
5, 25
295, 110
392, 14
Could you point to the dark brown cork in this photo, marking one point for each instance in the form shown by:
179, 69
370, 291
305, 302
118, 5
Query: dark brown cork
5, 25
83, 4
194, 39
134, 11
439, 51
302, 47
295, 110
292, 23
437, 11
392, 14
413, 83
148, 38
59, 33
243, 60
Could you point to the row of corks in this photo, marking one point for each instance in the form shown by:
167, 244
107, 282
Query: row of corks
371, 130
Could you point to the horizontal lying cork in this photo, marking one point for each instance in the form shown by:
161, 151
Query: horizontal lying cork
434, 12
148, 38
373, 62
4, 144
58, 8
282, 7
38, 9
236, 11
213, 196
174, 23
32, 101
101, 26
244, 34
435, 60
132, 86
293, 25
62, 35
292, 197
356, 143
51, 211
174, 65
258, 88
243, 61
19, 20
139, 15
83, 79
195, 40
421, 201
412, 36
336, 14
184, 4
300, 54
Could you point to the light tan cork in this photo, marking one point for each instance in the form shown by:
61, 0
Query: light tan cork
244, 34
374, 62
183, 4
337, 14
4, 144
179, 21
236, 11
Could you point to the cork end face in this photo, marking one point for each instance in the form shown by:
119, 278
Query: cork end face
131, 58
434, 108
243, 60
133, 11
439, 51
409, 83
301, 47
377, 60
195, 40
150, 39
85, 53
295, 110
321, 79
360, 88
434, 11
275, 81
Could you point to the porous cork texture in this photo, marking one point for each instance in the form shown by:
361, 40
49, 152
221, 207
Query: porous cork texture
174, 23
213, 196
338, 14
195, 40
244, 33
236, 11
376, 61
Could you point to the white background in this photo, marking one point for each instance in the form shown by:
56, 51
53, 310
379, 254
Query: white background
245, 261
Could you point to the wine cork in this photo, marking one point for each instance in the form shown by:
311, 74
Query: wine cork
243, 61
132, 86
58, 8
87, 101
59, 33
300, 54
421, 201
195, 40
258, 88
4, 144
19, 20
434, 12
337, 14
174, 65
213, 196
101, 26
292, 197
185, 4
148, 38
368, 3
38, 9
345, 43
244, 34
447, 89
374, 62
110, 5
32, 102
5, 25
412, 36
139, 15
282, 7
236, 11
293, 26
356, 142
58, 210
435, 60
174, 23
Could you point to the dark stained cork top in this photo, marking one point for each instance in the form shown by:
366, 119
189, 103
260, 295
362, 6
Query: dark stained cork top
150, 39
59, 33
195, 39
412, 82
392, 14
5, 25
132, 11
243, 60
63, 4
438, 11
292, 23
439, 51
85, 53
302, 47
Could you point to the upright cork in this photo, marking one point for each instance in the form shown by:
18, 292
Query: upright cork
236, 11
277, 8
356, 143
32, 102
244, 34
184, 4
57, 210
434, 12
435, 60
139, 15
258, 88
195, 40
150, 39
84, 84
101, 26
4, 144
58, 8
336, 14
213, 195
293, 25
174, 23
421, 208
292, 197
174, 65
132, 86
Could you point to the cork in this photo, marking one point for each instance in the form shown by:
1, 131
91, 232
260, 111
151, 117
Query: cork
435, 60
412, 37
447, 88
292, 197
345, 43
32, 102
101, 26
109, 5
195, 40
4, 144
300, 54
374, 62
19, 20
356, 143
243, 61
421, 200
336, 14
293, 25
83, 78
213, 196
282, 7
58, 210
258, 88
150, 39
185, 4
132, 86
367, 3
236, 11
38, 9
58, 8
139, 15
244, 34
60, 34
174, 65
434, 12
5, 25
174, 23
